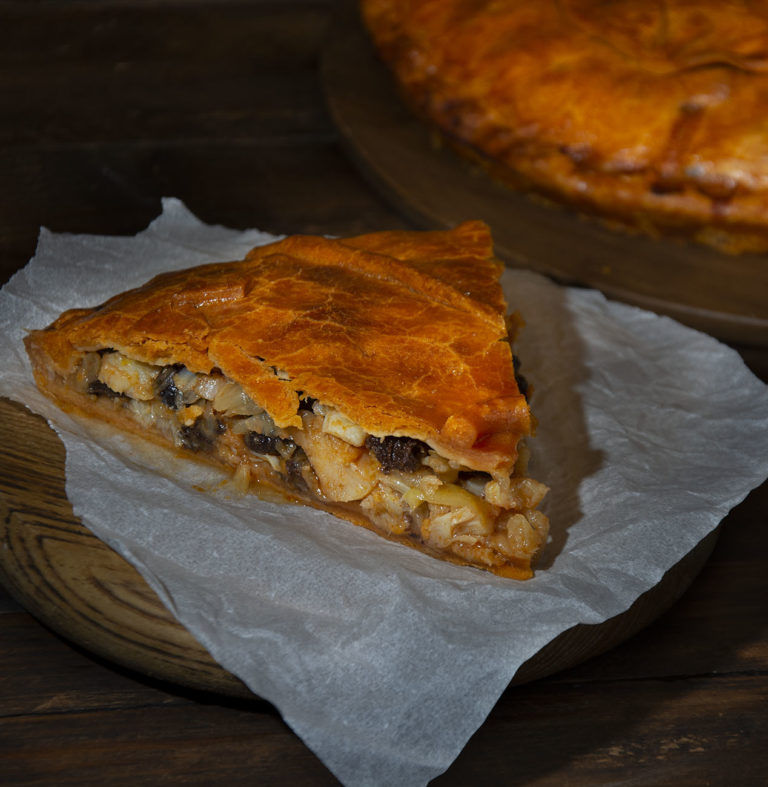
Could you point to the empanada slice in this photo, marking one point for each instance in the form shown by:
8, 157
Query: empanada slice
372, 377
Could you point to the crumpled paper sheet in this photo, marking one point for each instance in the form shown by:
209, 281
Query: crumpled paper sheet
385, 661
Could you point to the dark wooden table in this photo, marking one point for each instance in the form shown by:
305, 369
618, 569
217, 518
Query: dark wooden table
104, 109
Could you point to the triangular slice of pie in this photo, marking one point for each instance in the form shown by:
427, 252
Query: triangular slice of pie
372, 377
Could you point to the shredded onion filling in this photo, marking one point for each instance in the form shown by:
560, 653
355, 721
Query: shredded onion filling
401, 484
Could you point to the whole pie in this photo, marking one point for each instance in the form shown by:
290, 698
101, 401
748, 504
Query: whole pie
372, 377
649, 114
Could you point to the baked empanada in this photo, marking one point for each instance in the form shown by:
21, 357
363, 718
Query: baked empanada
372, 377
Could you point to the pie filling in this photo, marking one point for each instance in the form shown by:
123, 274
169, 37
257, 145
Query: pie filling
399, 485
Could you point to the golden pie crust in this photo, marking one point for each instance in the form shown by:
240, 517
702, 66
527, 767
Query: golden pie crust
388, 336
649, 114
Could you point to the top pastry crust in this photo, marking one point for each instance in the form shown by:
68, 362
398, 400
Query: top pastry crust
649, 113
402, 332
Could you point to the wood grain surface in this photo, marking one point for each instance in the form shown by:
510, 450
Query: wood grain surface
726, 295
73, 582
106, 108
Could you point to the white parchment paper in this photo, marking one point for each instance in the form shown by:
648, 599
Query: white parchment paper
385, 661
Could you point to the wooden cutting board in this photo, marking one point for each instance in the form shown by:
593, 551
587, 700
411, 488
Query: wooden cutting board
724, 295
79, 587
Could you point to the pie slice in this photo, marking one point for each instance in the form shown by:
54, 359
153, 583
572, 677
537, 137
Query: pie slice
372, 377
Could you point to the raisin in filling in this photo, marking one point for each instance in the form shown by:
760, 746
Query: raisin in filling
98, 388
169, 394
294, 471
397, 453
269, 444
201, 435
